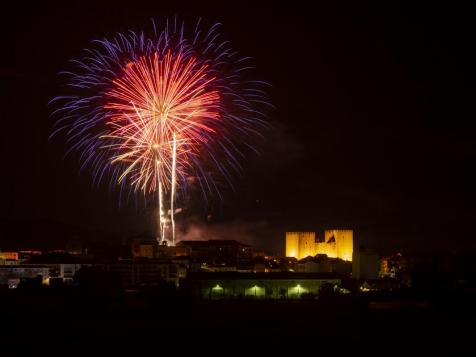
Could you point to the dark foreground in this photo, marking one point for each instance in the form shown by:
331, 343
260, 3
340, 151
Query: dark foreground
71, 322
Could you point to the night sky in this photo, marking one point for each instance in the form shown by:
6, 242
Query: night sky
374, 127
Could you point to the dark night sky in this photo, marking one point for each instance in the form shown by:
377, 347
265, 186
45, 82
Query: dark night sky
373, 129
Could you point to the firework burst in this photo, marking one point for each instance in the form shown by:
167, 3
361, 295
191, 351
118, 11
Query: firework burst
151, 111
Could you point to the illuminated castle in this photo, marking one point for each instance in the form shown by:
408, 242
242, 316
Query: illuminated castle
337, 244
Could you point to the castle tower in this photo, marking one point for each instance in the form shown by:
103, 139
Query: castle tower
301, 244
292, 244
344, 242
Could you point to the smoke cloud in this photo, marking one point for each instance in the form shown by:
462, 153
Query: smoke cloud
256, 234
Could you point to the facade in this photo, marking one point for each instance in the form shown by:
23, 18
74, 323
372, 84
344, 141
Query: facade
144, 247
67, 271
365, 265
342, 242
9, 258
11, 276
337, 244
321, 263
310, 266
164, 250
9, 255
393, 266
300, 244
258, 285
214, 253
148, 273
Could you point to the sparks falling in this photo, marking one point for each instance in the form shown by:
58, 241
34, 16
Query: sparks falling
157, 110
156, 101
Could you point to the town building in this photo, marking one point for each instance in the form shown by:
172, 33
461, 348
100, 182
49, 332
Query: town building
12, 275
365, 264
321, 263
215, 253
259, 285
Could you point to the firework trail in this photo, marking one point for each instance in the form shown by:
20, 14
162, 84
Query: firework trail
152, 110
172, 194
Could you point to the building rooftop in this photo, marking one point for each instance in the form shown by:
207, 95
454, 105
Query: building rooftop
263, 276
211, 242
57, 258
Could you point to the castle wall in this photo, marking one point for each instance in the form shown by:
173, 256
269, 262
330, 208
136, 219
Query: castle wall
337, 244
307, 244
300, 244
344, 241
330, 249
292, 244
